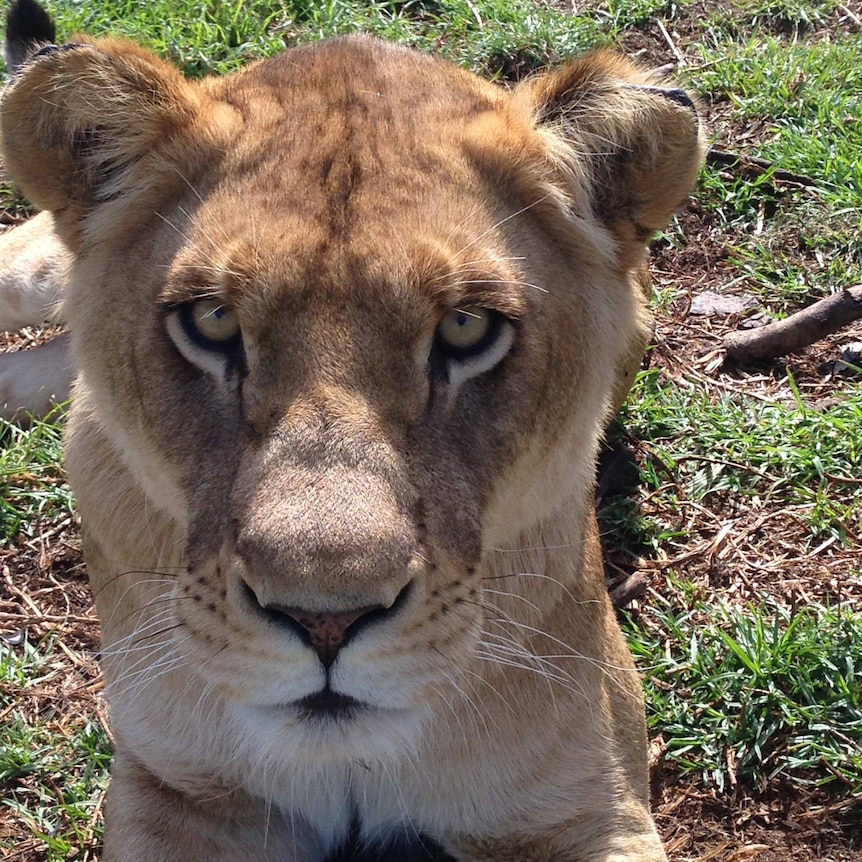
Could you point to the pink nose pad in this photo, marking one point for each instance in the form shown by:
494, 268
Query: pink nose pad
326, 631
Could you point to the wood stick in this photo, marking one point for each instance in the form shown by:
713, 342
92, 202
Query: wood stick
797, 331
670, 43
851, 15
753, 166
633, 587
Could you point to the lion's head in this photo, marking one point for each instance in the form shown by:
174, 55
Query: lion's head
349, 324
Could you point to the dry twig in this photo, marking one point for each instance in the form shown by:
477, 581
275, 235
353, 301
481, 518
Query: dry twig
797, 331
753, 166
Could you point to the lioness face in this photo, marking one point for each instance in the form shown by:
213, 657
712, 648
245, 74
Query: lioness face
348, 326
374, 320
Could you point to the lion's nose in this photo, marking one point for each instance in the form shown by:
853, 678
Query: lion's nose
327, 632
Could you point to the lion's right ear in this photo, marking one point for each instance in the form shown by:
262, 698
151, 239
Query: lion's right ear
88, 124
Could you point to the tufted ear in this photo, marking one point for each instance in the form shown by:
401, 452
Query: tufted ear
91, 124
628, 146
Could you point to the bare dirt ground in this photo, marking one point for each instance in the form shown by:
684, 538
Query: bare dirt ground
43, 585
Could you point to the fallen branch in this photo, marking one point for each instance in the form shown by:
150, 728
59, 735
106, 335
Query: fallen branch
849, 13
670, 43
752, 166
797, 331
633, 587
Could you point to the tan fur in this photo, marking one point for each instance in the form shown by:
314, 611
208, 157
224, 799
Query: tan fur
340, 199
33, 265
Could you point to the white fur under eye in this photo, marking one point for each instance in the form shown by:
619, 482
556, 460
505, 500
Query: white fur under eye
460, 368
206, 332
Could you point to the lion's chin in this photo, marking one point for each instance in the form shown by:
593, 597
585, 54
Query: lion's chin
328, 727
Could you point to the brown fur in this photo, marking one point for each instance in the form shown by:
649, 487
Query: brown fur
340, 199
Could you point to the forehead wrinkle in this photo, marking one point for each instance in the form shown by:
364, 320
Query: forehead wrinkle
260, 265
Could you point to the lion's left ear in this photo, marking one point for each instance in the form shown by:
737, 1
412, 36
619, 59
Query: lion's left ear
89, 125
632, 148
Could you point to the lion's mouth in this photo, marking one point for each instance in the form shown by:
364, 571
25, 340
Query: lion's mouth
329, 704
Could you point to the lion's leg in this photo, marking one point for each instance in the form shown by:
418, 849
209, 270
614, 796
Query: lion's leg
634, 842
33, 381
147, 821
33, 266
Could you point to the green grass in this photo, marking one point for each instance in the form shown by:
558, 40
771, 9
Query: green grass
752, 693
795, 103
493, 36
718, 451
811, 95
32, 486
53, 763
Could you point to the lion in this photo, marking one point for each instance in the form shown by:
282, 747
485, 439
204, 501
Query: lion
348, 324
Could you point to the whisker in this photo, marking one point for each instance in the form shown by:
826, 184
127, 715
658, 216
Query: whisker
135, 641
503, 221
512, 649
157, 574
464, 696
145, 671
467, 264
565, 546
573, 653
492, 657
213, 244
499, 281
542, 577
170, 224
534, 606
185, 179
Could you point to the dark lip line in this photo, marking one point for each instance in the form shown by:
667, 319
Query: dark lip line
324, 704
315, 704
356, 705
329, 702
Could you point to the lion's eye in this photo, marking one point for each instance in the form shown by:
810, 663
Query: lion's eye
210, 323
470, 341
206, 332
466, 331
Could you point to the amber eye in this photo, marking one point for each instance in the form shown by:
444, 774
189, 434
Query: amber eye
466, 331
210, 323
